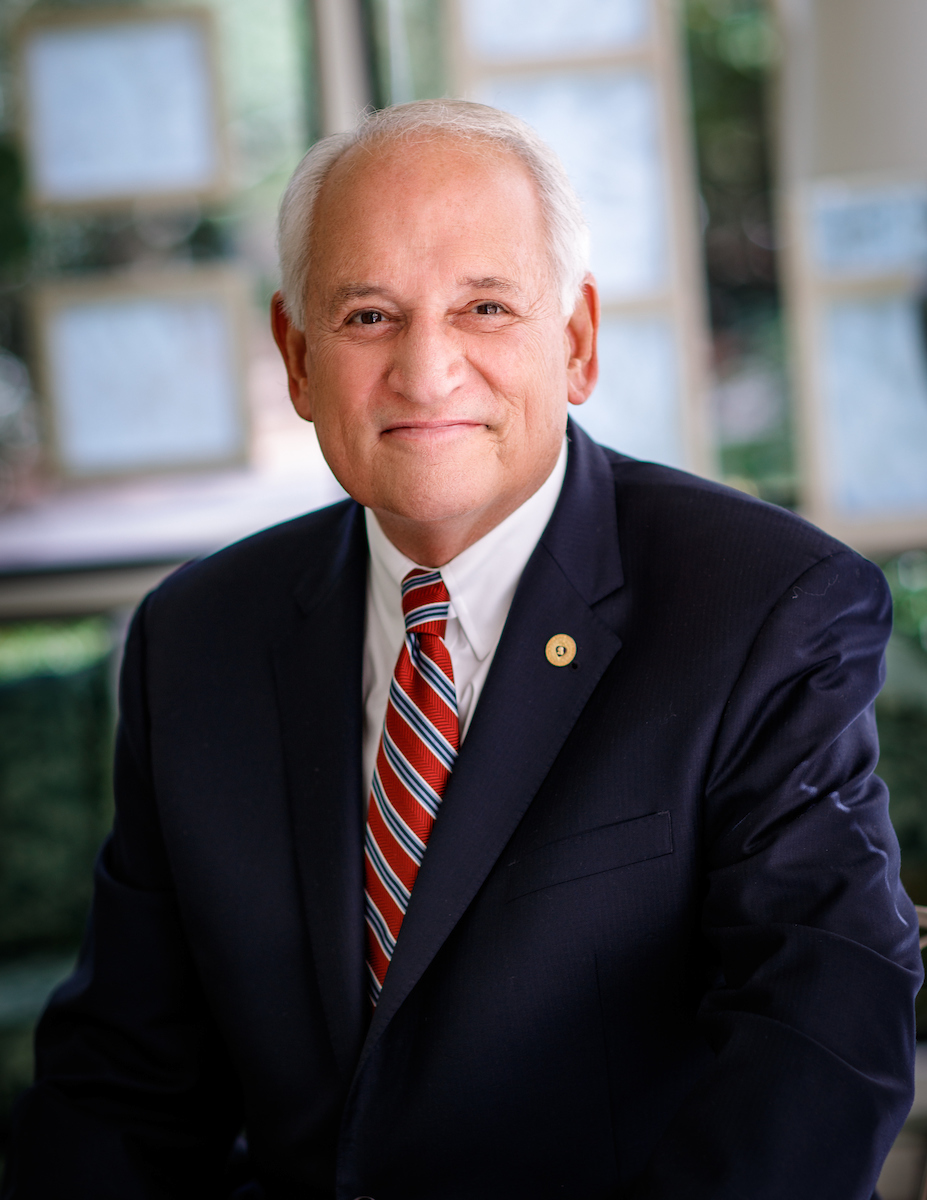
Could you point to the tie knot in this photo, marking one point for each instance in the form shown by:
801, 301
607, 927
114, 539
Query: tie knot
425, 602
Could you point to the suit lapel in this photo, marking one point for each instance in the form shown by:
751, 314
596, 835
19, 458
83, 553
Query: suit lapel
525, 713
318, 666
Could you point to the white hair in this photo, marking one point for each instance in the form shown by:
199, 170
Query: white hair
465, 121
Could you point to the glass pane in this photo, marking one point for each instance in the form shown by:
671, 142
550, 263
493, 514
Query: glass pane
635, 406
144, 383
875, 376
604, 127
120, 109
525, 29
867, 231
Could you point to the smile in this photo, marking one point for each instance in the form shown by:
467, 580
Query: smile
432, 431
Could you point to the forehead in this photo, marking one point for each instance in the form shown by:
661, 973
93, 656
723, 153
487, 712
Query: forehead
425, 200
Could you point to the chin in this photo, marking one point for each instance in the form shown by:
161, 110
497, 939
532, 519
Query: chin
432, 509
438, 490
434, 500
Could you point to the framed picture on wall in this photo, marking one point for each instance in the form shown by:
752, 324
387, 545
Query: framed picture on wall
119, 107
143, 373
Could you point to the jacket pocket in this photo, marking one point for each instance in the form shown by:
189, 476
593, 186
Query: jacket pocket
590, 853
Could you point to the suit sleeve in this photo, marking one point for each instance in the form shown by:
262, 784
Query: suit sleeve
811, 1018
134, 1095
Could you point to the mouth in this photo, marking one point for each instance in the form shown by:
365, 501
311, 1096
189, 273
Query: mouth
432, 431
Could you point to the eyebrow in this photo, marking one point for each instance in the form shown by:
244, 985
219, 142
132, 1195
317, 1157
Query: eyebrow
491, 283
360, 291
354, 291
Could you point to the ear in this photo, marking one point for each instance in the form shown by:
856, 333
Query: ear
581, 333
291, 342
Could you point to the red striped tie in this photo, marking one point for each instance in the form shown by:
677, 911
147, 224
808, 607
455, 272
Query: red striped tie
417, 752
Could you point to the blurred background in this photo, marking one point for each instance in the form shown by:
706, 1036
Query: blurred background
755, 178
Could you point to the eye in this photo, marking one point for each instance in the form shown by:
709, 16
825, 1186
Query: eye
370, 316
489, 308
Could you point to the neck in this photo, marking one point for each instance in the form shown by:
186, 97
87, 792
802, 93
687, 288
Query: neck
434, 543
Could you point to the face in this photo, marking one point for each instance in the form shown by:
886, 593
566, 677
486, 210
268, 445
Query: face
436, 362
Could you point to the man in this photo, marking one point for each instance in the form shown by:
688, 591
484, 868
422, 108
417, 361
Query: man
508, 830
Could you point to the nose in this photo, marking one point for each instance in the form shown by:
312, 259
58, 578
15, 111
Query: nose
427, 363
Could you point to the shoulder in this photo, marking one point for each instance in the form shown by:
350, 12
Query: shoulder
260, 575
668, 511
687, 508
685, 535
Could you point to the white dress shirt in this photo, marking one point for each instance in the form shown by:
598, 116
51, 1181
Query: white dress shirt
481, 583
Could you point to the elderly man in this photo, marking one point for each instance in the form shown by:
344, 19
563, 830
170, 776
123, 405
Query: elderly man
509, 830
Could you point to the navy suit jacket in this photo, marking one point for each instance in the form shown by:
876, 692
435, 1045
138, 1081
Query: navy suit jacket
657, 948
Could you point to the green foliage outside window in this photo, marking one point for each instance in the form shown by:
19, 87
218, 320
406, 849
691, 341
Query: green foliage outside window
56, 721
14, 231
907, 577
902, 716
732, 47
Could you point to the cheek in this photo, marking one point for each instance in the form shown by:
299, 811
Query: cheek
340, 385
531, 378
514, 370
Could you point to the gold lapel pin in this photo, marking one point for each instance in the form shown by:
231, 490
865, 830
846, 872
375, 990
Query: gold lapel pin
560, 650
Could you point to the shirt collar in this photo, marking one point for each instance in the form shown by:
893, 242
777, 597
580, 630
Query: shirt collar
481, 581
